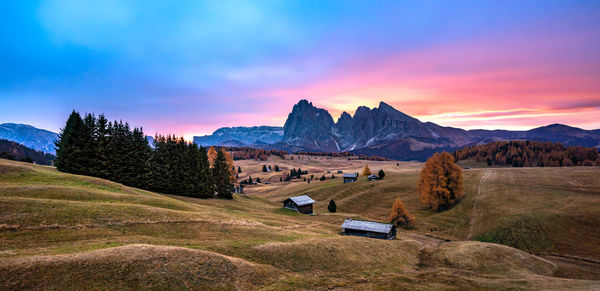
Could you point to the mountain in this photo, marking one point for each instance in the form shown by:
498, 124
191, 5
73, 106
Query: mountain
311, 128
242, 136
29, 136
385, 131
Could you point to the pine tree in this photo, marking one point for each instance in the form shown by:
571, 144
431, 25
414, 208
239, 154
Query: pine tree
221, 176
441, 182
101, 145
239, 170
400, 217
381, 174
332, 207
366, 171
205, 184
264, 168
70, 144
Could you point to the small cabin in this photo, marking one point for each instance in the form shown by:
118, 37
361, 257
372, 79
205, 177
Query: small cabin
348, 178
368, 229
302, 204
372, 177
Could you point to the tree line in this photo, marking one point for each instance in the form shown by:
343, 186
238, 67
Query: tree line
247, 153
17, 152
114, 151
529, 154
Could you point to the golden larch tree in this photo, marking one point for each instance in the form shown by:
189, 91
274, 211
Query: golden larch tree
212, 155
366, 171
400, 217
441, 182
232, 170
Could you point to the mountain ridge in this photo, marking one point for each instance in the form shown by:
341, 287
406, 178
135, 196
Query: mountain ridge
388, 132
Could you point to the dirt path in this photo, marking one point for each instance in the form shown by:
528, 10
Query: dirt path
484, 177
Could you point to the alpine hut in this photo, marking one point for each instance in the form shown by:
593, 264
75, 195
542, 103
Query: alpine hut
302, 204
368, 229
348, 178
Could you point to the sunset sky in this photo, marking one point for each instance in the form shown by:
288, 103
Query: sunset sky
190, 67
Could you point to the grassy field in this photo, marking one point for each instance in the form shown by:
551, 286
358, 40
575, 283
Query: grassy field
63, 231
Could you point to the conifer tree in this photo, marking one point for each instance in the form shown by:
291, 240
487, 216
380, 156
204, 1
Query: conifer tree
366, 171
101, 137
381, 174
205, 186
69, 145
221, 176
332, 207
441, 182
212, 155
400, 217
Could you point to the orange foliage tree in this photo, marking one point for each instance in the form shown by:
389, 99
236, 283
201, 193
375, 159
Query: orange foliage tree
441, 182
366, 171
232, 170
212, 155
400, 217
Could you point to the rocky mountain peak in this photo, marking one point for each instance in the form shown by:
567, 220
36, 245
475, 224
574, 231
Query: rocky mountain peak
310, 127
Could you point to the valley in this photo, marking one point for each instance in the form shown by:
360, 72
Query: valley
93, 233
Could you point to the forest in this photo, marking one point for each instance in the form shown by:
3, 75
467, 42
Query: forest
112, 150
529, 154
16, 151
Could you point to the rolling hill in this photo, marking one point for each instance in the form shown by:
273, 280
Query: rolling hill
61, 230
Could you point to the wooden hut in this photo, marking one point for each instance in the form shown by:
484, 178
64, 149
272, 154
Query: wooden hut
368, 229
302, 204
348, 178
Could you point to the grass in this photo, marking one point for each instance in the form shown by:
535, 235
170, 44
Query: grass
59, 230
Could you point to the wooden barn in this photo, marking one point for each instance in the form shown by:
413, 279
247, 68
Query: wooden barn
348, 178
368, 229
302, 204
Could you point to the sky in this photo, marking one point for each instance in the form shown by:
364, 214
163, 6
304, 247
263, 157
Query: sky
190, 67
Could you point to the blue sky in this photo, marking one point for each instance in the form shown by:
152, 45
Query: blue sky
189, 67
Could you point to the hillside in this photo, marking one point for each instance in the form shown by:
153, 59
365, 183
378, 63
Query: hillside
61, 230
18, 152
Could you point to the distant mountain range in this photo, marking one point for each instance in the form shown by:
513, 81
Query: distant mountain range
382, 131
29, 136
242, 136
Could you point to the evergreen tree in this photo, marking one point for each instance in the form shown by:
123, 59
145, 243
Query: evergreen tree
221, 176
332, 207
257, 179
239, 170
381, 174
264, 168
69, 145
101, 138
205, 184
